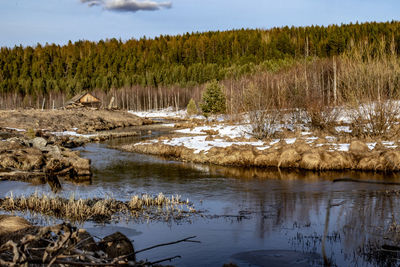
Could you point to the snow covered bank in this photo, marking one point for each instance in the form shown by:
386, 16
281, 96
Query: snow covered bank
165, 113
288, 153
234, 145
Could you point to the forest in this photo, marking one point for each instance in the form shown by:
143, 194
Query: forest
169, 70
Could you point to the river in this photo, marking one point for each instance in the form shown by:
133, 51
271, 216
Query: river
251, 217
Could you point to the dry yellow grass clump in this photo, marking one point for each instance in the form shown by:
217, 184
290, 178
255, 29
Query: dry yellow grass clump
150, 207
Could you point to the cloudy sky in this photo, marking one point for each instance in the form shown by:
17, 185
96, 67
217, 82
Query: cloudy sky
29, 22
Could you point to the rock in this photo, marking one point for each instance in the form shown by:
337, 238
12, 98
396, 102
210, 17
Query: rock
39, 143
53, 151
86, 241
116, 245
358, 148
15, 140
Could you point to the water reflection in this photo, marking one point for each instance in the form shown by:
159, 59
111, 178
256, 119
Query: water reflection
247, 210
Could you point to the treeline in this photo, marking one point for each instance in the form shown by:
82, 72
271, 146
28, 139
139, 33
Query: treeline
182, 61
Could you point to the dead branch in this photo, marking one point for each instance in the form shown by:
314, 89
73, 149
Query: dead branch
61, 247
163, 260
187, 239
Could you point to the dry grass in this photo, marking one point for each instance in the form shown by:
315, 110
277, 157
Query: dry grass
146, 206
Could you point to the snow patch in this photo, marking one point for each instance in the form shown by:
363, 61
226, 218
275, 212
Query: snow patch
232, 131
263, 147
345, 129
341, 147
72, 133
15, 129
164, 113
290, 141
200, 144
274, 142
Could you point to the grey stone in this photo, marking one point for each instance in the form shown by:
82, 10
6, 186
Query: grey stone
39, 143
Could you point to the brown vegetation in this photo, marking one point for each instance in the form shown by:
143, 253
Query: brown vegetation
144, 206
27, 159
298, 155
314, 91
86, 121
66, 245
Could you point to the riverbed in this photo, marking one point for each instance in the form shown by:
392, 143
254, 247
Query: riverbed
251, 217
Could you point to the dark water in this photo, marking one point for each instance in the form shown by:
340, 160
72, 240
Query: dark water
252, 217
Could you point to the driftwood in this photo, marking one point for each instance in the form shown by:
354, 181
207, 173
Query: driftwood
63, 245
188, 239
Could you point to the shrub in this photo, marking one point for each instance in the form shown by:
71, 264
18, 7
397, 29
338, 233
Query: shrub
191, 108
377, 118
263, 123
264, 115
213, 99
321, 116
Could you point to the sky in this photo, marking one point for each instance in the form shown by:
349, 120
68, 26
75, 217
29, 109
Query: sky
28, 22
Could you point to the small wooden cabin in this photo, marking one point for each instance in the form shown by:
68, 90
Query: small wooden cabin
84, 99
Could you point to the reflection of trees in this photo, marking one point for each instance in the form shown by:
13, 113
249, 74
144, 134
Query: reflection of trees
276, 200
361, 213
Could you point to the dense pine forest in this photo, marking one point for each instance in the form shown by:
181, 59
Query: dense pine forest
169, 70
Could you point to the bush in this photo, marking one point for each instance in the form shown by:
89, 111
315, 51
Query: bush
264, 115
321, 116
191, 108
379, 118
264, 123
213, 99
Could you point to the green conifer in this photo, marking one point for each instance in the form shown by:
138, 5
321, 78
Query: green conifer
213, 99
191, 108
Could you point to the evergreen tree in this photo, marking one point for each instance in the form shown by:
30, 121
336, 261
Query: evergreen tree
213, 99
191, 108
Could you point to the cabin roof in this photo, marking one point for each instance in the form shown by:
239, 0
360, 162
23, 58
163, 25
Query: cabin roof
76, 98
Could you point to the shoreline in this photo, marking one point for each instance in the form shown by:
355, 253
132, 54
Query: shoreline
35, 145
305, 153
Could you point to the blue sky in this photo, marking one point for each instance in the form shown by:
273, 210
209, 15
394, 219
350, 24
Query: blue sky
29, 22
